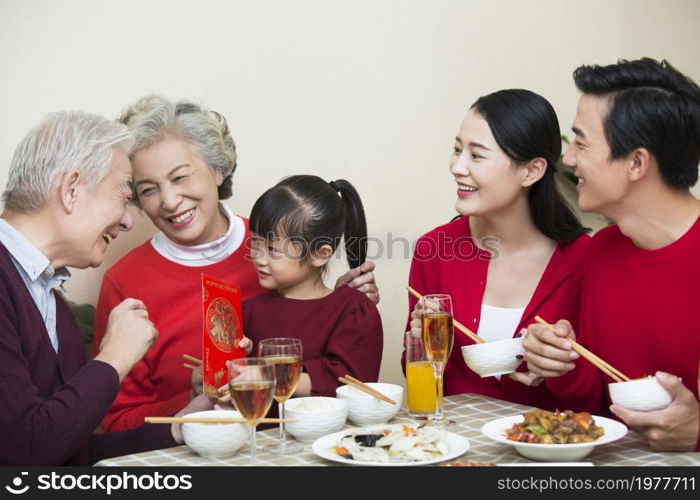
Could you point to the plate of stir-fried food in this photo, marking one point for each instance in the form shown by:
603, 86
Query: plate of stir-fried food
554, 436
391, 445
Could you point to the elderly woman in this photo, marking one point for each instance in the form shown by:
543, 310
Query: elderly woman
183, 163
65, 201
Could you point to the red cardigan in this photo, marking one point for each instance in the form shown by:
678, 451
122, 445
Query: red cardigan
639, 313
446, 260
51, 403
158, 384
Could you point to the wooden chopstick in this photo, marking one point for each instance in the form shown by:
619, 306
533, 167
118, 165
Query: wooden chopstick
192, 420
459, 326
353, 382
192, 359
602, 365
191, 367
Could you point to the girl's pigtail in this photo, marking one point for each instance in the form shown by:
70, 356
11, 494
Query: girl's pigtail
355, 231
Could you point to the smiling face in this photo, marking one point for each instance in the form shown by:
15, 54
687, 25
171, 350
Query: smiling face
102, 214
486, 179
178, 192
602, 182
281, 263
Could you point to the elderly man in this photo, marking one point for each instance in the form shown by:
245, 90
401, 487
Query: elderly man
636, 153
65, 201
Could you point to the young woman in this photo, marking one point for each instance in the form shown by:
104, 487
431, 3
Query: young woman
182, 165
515, 251
297, 226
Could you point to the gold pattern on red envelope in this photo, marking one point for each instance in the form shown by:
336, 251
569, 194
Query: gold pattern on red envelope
221, 331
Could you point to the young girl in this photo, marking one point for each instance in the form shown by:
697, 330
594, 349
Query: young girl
297, 226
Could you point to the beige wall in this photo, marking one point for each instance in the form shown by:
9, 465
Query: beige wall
662, 30
369, 90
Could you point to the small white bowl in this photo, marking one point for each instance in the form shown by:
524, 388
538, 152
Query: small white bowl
215, 440
364, 409
493, 358
644, 394
315, 417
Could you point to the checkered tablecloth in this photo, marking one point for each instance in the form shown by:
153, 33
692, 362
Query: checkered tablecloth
469, 412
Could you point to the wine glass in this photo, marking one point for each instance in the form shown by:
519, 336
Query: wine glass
284, 354
252, 385
438, 337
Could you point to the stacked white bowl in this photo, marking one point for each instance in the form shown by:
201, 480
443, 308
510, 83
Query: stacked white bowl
315, 417
364, 409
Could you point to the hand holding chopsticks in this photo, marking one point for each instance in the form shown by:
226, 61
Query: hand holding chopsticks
599, 363
459, 326
361, 386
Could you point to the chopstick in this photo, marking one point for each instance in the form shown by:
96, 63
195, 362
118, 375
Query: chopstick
192, 420
192, 359
353, 382
602, 365
459, 326
191, 367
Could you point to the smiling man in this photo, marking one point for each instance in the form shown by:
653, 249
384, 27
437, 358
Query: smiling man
635, 154
65, 201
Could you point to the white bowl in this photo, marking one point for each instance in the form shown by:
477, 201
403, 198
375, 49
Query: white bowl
364, 409
315, 417
215, 440
644, 394
570, 452
493, 358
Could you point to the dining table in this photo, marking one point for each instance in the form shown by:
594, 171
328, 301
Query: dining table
468, 412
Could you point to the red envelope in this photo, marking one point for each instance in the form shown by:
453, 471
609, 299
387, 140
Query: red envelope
222, 329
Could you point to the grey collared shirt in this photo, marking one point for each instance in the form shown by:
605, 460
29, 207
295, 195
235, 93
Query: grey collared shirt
37, 273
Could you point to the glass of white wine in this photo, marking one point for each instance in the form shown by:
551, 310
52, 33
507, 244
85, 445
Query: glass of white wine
252, 385
285, 355
438, 337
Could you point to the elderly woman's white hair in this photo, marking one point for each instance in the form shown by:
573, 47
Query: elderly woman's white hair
63, 141
154, 118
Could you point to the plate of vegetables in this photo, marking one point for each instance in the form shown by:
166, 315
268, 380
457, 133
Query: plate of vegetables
554, 436
391, 445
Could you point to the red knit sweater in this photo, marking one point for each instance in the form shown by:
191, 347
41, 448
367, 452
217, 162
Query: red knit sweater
446, 260
639, 313
340, 333
158, 384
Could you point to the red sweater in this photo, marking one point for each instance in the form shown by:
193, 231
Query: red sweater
158, 384
446, 260
639, 313
340, 333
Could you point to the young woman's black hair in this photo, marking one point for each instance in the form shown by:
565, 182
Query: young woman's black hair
525, 126
307, 210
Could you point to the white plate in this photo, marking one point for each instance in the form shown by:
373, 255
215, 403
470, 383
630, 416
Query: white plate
495, 430
323, 447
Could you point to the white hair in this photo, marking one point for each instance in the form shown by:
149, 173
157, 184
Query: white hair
153, 118
63, 141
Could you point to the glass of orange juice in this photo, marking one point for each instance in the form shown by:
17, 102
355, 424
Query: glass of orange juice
420, 380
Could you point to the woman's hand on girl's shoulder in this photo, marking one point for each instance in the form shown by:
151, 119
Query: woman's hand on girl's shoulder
361, 279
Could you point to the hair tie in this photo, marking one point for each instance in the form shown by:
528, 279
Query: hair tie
334, 186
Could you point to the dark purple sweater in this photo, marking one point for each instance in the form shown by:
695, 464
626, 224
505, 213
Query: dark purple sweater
51, 404
340, 333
